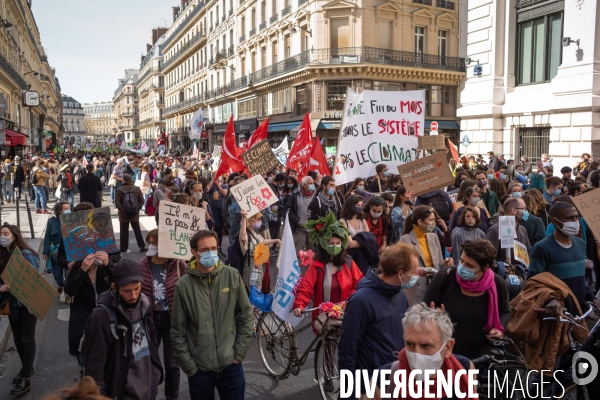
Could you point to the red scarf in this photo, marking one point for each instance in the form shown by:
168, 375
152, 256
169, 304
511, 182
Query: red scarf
449, 364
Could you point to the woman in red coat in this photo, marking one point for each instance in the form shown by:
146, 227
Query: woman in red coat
332, 276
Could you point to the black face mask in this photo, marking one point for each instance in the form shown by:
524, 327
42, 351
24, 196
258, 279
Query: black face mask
130, 306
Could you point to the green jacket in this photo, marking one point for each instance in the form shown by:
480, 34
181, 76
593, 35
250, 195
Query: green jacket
211, 321
493, 204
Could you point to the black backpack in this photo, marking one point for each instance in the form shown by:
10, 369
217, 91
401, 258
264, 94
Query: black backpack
440, 205
130, 204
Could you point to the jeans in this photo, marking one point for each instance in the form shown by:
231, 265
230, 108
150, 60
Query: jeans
59, 275
113, 190
40, 197
7, 190
24, 336
125, 234
162, 324
68, 196
230, 383
145, 198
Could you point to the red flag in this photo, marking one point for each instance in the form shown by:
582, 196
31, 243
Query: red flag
259, 135
302, 146
231, 161
453, 150
316, 162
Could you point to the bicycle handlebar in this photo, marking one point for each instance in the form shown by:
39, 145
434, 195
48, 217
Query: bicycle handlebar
569, 318
481, 361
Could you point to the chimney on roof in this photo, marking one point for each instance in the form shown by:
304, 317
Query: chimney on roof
175, 12
157, 33
148, 47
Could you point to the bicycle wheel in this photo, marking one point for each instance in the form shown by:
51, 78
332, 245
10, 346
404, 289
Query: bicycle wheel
274, 344
571, 393
326, 369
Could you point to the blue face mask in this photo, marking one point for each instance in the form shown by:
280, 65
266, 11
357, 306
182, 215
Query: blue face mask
361, 187
525, 216
330, 191
502, 176
411, 283
490, 176
67, 212
465, 273
386, 173
557, 192
290, 185
311, 188
209, 258
358, 210
517, 195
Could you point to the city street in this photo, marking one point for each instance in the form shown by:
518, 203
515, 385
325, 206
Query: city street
55, 368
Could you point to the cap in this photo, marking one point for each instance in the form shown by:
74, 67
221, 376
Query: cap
126, 271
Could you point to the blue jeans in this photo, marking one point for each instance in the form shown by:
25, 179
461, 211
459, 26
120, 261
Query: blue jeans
68, 196
40, 197
7, 190
59, 275
113, 190
230, 383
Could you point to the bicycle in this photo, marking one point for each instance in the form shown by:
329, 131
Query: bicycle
511, 364
278, 350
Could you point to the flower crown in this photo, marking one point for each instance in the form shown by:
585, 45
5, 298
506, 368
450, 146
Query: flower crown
323, 229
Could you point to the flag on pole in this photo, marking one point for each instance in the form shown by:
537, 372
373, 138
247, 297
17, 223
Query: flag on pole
124, 146
302, 146
231, 160
282, 151
196, 124
143, 147
453, 150
260, 134
195, 154
316, 162
288, 278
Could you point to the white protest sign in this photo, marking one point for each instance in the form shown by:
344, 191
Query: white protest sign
177, 223
378, 128
254, 195
507, 232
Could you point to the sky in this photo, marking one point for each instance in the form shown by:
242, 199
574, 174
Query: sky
92, 42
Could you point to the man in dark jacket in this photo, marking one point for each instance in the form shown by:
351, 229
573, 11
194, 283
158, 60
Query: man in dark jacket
121, 196
119, 349
372, 325
440, 201
90, 188
297, 210
19, 176
494, 162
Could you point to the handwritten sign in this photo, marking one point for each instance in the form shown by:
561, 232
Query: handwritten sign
434, 142
260, 158
378, 128
521, 253
177, 223
28, 285
588, 205
507, 232
87, 232
254, 195
426, 174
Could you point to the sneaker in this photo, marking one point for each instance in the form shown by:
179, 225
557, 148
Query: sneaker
60, 290
18, 378
68, 299
22, 387
126, 251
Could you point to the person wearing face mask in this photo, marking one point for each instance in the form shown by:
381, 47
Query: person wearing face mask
22, 322
88, 278
162, 193
332, 275
511, 207
357, 185
376, 221
252, 274
160, 277
466, 229
534, 226
553, 189
419, 232
52, 239
488, 196
472, 198
325, 201
211, 302
119, 350
352, 217
378, 183
297, 210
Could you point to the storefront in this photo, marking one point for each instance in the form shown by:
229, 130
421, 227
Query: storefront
281, 127
12, 144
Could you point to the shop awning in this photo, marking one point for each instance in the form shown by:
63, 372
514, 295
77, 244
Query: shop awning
284, 126
314, 123
443, 124
14, 138
329, 124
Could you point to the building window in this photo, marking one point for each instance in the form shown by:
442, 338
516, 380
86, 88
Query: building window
339, 33
247, 109
533, 142
442, 44
420, 41
387, 86
385, 34
302, 100
539, 50
336, 94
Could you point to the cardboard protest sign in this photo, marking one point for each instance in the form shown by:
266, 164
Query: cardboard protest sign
254, 195
87, 232
378, 128
436, 142
28, 285
260, 158
426, 174
177, 223
588, 205
521, 253
507, 232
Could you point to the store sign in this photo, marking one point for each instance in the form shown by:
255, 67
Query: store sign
335, 114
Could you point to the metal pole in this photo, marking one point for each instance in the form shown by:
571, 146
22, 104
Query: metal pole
18, 212
29, 216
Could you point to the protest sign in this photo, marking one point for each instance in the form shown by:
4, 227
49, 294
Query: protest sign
330, 151
254, 195
436, 142
28, 285
426, 174
507, 232
521, 253
588, 205
87, 232
177, 223
378, 128
260, 158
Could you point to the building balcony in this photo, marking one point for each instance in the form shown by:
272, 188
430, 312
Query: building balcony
262, 26
252, 32
301, 2
183, 24
242, 38
220, 55
424, 2
230, 51
230, 12
273, 19
445, 4
286, 11
12, 73
194, 40
153, 70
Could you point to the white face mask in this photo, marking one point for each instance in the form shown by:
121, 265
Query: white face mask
425, 362
570, 228
152, 250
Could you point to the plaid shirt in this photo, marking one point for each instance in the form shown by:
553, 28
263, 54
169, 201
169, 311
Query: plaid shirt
118, 171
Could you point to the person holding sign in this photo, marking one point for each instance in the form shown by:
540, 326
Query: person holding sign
513, 206
22, 321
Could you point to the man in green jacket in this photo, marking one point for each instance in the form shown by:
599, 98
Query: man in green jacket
211, 323
490, 199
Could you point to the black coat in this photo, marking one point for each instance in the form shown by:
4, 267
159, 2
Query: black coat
81, 288
19, 176
89, 187
367, 256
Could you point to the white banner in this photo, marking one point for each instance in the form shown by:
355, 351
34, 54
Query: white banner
282, 151
288, 278
177, 223
196, 124
378, 128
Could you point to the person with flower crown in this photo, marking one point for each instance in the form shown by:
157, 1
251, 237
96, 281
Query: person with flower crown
332, 276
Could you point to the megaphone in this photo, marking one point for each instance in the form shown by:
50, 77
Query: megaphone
510, 171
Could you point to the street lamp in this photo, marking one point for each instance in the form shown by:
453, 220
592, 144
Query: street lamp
7, 25
294, 30
31, 72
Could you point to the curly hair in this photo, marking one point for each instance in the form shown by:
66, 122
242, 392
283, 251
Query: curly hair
481, 250
86, 389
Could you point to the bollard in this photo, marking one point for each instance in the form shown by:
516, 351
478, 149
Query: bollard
18, 213
29, 216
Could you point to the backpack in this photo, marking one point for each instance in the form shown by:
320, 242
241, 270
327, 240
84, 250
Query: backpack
440, 205
150, 210
130, 204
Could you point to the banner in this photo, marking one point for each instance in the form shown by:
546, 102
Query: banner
216, 153
87, 232
196, 124
254, 195
330, 151
378, 128
426, 174
260, 158
436, 142
144, 147
507, 232
28, 285
288, 278
587, 204
195, 153
282, 151
177, 223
